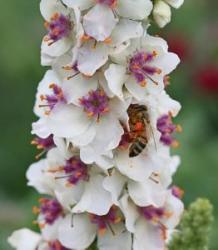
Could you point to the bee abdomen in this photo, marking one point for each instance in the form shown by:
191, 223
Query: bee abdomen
137, 147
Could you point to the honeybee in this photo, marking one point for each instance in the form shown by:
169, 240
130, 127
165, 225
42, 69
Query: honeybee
139, 125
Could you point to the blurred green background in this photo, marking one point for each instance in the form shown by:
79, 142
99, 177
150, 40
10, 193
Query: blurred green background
193, 34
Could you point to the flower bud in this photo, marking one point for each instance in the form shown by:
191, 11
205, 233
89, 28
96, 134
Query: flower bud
175, 3
161, 13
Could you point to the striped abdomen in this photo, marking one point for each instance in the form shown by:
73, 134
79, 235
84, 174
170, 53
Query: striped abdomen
137, 146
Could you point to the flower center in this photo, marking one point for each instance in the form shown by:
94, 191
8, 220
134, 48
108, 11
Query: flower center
75, 171
167, 128
50, 209
111, 3
58, 28
154, 214
51, 100
140, 67
95, 104
43, 144
106, 221
56, 245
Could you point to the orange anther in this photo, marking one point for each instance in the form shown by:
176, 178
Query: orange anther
108, 40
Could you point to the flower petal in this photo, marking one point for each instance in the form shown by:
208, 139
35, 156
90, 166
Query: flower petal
49, 7
147, 193
134, 9
130, 212
24, 239
82, 4
38, 178
67, 121
137, 168
99, 22
114, 184
147, 236
91, 57
77, 232
77, 87
56, 49
126, 30
119, 241
175, 3
95, 199
116, 76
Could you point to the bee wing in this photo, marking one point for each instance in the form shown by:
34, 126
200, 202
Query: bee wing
150, 132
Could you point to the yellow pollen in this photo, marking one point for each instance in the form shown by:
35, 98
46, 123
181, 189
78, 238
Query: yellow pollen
143, 83
175, 144
39, 147
90, 114
154, 53
158, 71
69, 185
168, 214
55, 170
179, 128
42, 97
135, 66
46, 24
108, 40
86, 76
52, 85
67, 67
33, 142
46, 39
55, 16
102, 231
35, 210
85, 38
117, 220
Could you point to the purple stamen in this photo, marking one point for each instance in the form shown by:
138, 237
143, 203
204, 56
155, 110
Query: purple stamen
43, 143
140, 68
76, 170
166, 128
51, 100
58, 28
104, 222
152, 213
96, 103
51, 210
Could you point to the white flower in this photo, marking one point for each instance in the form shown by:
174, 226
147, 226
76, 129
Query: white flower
64, 29
74, 183
53, 176
136, 10
141, 67
148, 192
79, 102
94, 51
24, 239
162, 13
78, 231
151, 222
